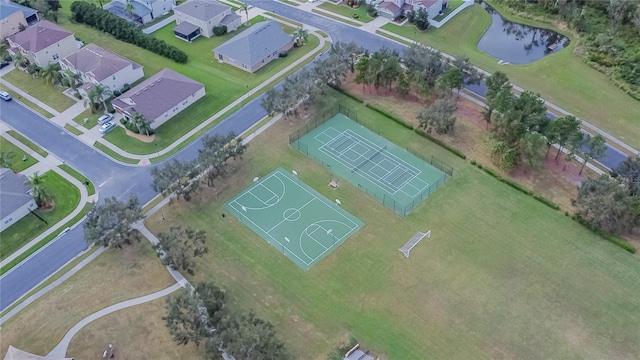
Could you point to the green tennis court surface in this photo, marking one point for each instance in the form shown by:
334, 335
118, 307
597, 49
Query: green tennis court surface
393, 176
293, 218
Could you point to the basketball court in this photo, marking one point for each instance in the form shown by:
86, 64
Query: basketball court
292, 217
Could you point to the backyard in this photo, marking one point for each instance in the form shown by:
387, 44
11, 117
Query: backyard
201, 66
486, 280
561, 78
66, 198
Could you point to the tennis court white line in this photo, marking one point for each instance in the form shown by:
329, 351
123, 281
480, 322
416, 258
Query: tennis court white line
376, 180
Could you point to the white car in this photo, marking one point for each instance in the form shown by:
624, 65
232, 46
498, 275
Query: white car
5, 95
105, 128
105, 119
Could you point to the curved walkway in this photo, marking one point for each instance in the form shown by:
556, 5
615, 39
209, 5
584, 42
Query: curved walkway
60, 350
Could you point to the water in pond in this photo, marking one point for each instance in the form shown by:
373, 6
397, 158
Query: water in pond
517, 43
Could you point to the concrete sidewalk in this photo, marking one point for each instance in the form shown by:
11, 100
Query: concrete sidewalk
51, 162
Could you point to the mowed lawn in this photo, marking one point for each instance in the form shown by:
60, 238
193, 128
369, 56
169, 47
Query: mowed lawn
223, 83
503, 276
39, 89
347, 11
66, 197
561, 78
17, 164
114, 276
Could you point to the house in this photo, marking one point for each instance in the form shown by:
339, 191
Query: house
255, 47
199, 17
160, 97
43, 43
15, 200
396, 8
141, 11
13, 15
99, 66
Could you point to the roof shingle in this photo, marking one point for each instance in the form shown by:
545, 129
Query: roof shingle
97, 62
40, 36
255, 43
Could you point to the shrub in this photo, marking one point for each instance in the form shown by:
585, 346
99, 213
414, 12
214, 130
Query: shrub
455, 151
473, 162
89, 14
219, 30
117, 93
125, 88
355, 16
283, 54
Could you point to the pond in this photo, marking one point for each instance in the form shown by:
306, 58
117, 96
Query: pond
517, 43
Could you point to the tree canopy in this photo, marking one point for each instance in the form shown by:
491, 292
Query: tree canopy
180, 246
109, 224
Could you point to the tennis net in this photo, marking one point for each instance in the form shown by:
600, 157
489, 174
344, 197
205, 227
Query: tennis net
366, 160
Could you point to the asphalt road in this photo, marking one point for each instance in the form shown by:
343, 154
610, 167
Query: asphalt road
122, 181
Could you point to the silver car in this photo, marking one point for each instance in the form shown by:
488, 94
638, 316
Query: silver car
105, 119
5, 96
105, 128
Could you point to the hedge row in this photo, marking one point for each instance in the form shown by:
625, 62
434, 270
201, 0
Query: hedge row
517, 186
607, 236
390, 116
453, 150
89, 14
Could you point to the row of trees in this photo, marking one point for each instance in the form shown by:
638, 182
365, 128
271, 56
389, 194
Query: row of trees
88, 13
200, 316
521, 129
181, 179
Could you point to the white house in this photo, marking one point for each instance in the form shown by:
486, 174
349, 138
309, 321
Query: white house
99, 66
199, 17
159, 98
142, 11
43, 43
15, 200
396, 8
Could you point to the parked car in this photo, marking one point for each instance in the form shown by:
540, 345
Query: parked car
4, 63
105, 128
105, 119
5, 95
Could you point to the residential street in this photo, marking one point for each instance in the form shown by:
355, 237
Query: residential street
121, 181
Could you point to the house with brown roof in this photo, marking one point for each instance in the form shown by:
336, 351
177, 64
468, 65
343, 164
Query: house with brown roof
395, 8
255, 47
13, 15
159, 98
99, 66
199, 17
43, 43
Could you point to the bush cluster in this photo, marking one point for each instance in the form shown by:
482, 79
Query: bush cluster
607, 236
87, 13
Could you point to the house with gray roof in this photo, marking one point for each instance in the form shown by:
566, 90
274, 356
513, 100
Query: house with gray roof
392, 9
159, 98
142, 11
199, 17
100, 66
13, 15
15, 199
43, 43
255, 47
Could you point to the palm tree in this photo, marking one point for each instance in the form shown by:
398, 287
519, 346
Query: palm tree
73, 79
300, 35
130, 8
143, 125
245, 8
6, 158
4, 49
98, 95
51, 73
38, 191
20, 61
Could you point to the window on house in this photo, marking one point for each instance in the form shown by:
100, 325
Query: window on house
114, 77
220, 57
56, 57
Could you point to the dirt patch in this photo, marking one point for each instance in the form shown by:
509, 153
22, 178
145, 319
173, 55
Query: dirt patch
143, 138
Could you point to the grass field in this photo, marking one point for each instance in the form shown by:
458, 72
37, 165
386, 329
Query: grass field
28, 143
17, 164
561, 78
336, 18
92, 119
502, 276
115, 276
26, 102
66, 197
344, 10
136, 333
48, 94
91, 189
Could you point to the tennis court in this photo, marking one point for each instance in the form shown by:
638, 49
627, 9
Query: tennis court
292, 217
395, 177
